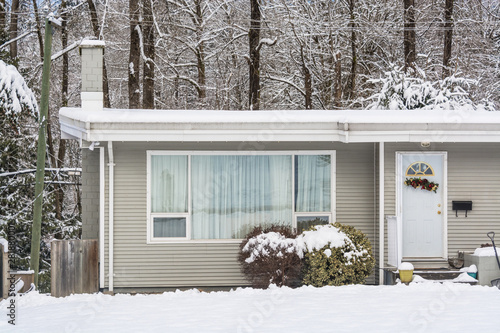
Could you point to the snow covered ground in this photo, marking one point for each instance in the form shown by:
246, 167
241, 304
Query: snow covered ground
419, 307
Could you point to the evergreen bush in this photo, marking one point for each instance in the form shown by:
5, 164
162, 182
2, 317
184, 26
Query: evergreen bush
18, 146
268, 255
335, 254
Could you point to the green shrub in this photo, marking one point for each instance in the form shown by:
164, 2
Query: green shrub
344, 255
269, 256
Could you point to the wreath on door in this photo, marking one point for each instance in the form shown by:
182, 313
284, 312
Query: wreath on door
424, 184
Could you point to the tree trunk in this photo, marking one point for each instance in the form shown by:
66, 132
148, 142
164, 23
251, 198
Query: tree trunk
59, 193
409, 34
307, 80
13, 27
200, 54
448, 37
95, 29
254, 61
3, 15
351, 85
134, 93
38, 28
338, 80
148, 97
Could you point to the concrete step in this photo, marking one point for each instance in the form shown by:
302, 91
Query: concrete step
432, 274
428, 263
437, 274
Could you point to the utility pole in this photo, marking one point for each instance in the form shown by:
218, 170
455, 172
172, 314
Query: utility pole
41, 150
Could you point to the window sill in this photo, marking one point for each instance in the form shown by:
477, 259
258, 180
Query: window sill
194, 241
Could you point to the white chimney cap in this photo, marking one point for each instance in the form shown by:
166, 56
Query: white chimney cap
87, 43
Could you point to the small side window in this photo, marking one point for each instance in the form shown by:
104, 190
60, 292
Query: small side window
305, 222
169, 227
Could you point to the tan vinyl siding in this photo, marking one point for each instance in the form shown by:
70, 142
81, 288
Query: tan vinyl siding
90, 194
138, 264
472, 175
356, 190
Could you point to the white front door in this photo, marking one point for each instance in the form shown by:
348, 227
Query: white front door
423, 211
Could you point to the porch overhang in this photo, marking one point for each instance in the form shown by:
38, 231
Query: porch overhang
285, 126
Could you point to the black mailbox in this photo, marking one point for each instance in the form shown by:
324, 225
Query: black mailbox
461, 205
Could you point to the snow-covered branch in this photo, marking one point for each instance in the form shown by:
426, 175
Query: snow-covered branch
21, 172
17, 38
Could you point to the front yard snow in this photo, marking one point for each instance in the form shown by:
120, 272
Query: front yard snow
422, 307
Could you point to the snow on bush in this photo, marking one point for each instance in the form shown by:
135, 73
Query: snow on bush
410, 91
332, 254
335, 254
15, 95
261, 246
269, 256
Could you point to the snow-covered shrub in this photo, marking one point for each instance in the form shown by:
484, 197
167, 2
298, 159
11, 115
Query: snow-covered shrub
411, 91
334, 255
269, 256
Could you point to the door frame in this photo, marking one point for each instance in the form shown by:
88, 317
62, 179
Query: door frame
444, 187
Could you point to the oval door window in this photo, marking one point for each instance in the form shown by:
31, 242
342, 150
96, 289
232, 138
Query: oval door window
419, 169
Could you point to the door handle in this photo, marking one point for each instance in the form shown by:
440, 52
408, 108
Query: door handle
439, 212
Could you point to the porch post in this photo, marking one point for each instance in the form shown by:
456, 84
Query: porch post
381, 210
111, 180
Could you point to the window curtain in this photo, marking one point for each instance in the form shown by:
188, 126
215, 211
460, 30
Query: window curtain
232, 194
312, 183
169, 179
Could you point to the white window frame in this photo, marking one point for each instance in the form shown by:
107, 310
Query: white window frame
190, 153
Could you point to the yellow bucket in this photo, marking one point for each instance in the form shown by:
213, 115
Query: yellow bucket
406, 275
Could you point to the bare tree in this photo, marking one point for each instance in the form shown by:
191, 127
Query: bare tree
338, 80
134, 92
200, 51
148, 97
96, 30
59, 194
254, 56
14, 16
38, 28
448, 36
351, 86
409, 33
3, 16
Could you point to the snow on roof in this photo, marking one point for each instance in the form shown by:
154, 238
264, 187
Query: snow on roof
281, 125
216, 116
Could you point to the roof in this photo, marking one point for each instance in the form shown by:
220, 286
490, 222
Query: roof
281, 125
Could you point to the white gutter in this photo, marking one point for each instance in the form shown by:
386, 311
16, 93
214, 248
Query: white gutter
381, 210
102, 202
111, 166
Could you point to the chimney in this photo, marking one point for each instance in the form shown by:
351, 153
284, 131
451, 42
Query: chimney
92, 52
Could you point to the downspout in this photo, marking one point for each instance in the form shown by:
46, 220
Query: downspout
381, 210
111, 166
102, 202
